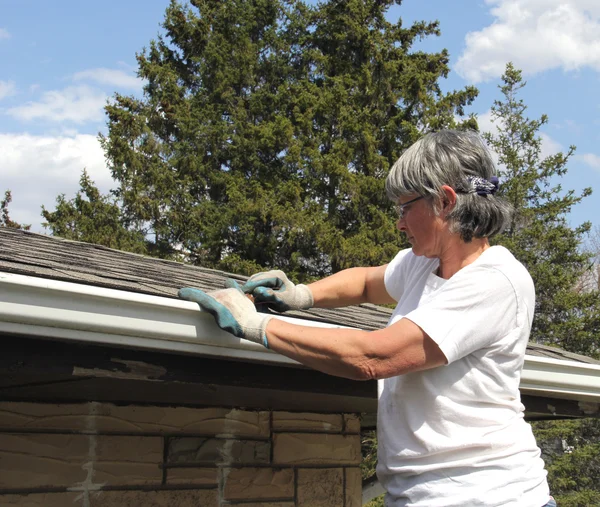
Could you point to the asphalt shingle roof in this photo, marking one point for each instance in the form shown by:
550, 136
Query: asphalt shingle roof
38, 255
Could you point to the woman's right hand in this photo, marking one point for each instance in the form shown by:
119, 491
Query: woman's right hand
278, 292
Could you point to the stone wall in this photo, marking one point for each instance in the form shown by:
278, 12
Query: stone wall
100, 454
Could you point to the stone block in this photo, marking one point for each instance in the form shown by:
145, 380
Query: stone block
258, 484
195, 476
196, 450
49, 460
351, 423
32, 460
353, 491
315, 449
127, 460
106, 417
42, 500
165, 498
291, 421
320, 487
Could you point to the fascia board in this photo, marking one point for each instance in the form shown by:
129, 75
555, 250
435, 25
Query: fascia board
32, 306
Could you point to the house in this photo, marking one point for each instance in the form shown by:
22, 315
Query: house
115, 392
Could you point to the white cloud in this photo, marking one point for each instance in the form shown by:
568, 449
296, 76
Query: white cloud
488, 124
4, 34
535, 35
7, 88
38, 168
111, 77
590, 159
77, 104
550, 146
485, 123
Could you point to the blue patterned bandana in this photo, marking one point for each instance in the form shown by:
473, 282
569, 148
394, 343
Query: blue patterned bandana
481, 186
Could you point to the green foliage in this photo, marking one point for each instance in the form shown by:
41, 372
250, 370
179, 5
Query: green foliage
571, 450
376, 502
540, 235
369, 454
369, 462
592, 245
93, 218
5, 220
267, 128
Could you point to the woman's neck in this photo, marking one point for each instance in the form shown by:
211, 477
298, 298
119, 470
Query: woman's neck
460, 254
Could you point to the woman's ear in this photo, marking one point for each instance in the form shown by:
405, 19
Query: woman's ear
449, 199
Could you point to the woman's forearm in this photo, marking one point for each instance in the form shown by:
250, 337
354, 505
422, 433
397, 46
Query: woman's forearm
359, 355
334, 351
351, 287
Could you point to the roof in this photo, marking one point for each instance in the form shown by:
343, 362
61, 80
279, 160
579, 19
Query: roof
37, 255
77, 317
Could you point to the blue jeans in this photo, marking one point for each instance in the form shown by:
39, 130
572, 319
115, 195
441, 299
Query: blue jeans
551, 503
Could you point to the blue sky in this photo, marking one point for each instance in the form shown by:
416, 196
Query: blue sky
61, 61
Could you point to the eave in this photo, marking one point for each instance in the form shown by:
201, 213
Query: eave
39, 307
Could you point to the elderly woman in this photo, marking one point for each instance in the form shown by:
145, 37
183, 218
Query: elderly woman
450, 421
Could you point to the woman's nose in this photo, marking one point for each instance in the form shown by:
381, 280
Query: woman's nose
400, 224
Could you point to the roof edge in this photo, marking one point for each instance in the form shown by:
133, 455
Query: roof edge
40, 307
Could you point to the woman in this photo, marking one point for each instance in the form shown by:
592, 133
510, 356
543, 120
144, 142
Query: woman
450, 422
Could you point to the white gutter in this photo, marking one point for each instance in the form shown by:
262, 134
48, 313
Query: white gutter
557, 378
31, 306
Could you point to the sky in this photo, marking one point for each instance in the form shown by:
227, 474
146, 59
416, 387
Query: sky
61, 61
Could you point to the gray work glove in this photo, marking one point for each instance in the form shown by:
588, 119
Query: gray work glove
276, 290
233, 312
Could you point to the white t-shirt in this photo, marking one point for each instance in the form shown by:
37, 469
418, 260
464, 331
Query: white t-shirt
454, 436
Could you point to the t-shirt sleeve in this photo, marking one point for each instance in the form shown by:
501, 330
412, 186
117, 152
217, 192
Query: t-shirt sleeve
394, 279
469, 312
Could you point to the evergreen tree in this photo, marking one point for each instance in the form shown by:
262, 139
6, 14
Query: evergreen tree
93, 218
567, 312
591, 281
5, 220
571, 450
540, 235
267, 128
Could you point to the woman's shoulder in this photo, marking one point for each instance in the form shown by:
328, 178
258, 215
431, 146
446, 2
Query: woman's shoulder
501, 260
500, 257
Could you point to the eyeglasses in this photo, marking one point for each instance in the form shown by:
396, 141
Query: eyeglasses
400, 207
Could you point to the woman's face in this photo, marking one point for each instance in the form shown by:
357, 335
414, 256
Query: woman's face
424, 230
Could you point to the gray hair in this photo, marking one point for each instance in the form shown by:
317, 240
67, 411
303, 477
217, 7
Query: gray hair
453, 158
